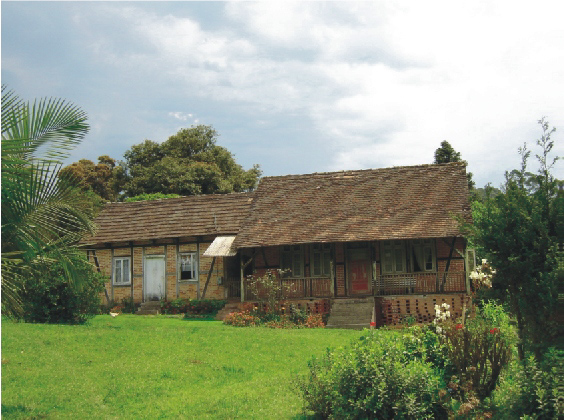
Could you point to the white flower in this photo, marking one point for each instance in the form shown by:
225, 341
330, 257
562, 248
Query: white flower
484, 261
447, 314
446, 305
439, 330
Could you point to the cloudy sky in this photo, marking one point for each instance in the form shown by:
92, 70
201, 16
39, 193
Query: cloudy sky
301, 87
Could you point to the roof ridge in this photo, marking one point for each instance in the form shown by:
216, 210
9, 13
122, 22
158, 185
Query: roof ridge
387, 169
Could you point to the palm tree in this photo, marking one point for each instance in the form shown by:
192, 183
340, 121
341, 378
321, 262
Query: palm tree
43, 215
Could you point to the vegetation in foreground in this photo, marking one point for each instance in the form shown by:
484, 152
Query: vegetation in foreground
156, 367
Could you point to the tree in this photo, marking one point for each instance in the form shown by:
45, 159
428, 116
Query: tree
447, 154
105, 178
517, 231
43, 215
188, 163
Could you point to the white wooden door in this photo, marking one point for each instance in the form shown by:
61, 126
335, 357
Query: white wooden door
154, 278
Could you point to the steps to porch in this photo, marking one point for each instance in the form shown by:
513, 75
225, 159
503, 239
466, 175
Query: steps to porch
152, 307
352, 313
227, 309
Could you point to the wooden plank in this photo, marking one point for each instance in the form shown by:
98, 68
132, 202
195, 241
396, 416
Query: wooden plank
208, 279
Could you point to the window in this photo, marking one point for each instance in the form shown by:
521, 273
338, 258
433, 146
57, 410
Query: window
121, 271
413, 256
187, 266
321, 260
291, 261
422, 255
393, 257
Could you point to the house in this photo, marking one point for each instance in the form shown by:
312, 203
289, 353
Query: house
156, 250
388, 237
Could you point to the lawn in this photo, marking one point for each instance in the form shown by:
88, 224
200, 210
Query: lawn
156, 367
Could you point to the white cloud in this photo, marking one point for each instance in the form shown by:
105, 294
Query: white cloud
382, 83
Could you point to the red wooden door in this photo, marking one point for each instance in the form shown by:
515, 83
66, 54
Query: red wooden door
359, 271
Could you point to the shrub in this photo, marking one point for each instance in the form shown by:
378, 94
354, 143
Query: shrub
478, 350
532, 389
205, 306
128, 306
372, 378
175, 306
49, 298
241, 319
194, 306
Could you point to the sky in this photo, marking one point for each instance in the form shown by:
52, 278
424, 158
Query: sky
301, 87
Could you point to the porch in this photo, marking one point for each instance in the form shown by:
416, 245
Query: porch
382, 285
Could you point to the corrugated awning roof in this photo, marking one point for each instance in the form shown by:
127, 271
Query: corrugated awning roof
221, 247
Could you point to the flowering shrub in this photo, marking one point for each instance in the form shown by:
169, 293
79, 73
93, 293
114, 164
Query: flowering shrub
242, 319
482, 276
478, 352
250, 319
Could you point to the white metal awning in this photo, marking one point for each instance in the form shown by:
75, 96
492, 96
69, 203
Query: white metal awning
221, 247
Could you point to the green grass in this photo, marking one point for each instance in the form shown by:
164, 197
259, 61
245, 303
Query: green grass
156, 367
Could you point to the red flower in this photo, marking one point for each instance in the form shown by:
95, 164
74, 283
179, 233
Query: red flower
494, 330
459, 326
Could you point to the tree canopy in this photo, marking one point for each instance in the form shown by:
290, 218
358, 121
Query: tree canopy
104, 178
446, 154
188, 163
518, 231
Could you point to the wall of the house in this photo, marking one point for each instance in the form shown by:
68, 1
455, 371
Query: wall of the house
175, 288
395, 310
269, 258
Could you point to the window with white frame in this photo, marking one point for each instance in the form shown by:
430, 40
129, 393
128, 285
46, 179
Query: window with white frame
187, 266
321, 260
291, 261
122, 271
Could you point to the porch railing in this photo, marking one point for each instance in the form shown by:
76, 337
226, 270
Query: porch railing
392, 284
293, 288
419, 283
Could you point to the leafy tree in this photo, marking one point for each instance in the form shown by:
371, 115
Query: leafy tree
43, 214
188, 163
104, 178
447, 154
150, 197
517, 231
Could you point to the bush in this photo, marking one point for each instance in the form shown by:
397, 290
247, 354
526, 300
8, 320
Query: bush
532, 389
374, 377
128, 306
479, 351
241, 319
205, 306
195, 306
49, 298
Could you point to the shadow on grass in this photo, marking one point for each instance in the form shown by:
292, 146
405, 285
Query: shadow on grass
20, 411
190, 317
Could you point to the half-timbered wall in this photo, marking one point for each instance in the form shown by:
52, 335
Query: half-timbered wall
174, 286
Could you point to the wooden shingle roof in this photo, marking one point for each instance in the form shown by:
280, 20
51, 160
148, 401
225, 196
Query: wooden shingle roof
402, 202
171, 218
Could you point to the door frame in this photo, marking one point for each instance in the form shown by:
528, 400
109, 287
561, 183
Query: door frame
145, 280
368, 250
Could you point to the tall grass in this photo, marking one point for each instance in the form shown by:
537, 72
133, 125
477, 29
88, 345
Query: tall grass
155, 367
